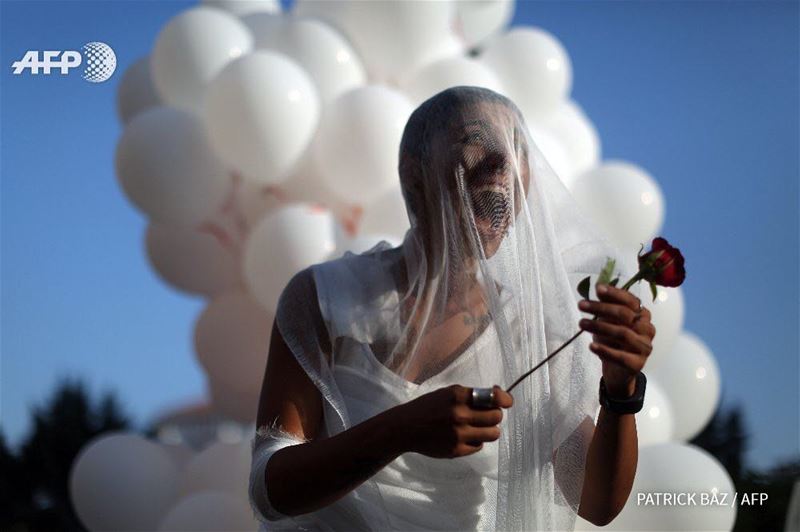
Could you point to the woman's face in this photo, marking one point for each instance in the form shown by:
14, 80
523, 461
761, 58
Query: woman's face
488, 155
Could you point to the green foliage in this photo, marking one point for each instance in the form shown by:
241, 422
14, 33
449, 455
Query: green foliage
726, 438
607, 272
777, 483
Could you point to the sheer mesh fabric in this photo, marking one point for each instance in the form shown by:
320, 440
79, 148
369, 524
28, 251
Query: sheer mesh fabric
481, 289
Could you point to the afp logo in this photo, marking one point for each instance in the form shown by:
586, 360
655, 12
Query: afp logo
99, 58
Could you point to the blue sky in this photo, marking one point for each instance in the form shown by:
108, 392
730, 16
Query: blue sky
704, 95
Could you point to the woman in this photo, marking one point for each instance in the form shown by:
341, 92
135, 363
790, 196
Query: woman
367, 419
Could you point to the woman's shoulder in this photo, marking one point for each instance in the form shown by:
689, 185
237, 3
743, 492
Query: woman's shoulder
378, 256
381, 253
348, 279
356, 273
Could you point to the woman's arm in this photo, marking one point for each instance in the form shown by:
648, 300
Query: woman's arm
610, 467
306, 477
622, 338
323, 470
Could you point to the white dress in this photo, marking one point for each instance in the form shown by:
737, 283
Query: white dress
415, 491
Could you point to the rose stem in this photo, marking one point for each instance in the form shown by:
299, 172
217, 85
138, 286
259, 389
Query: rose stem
627, 285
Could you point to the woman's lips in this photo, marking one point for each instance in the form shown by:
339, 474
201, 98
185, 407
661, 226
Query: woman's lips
491, 205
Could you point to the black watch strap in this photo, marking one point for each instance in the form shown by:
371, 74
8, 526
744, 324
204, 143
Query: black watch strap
629, 405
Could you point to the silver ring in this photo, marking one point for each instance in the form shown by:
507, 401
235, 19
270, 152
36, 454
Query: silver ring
482, 398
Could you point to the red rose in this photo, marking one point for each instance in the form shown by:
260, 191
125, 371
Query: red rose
663, 264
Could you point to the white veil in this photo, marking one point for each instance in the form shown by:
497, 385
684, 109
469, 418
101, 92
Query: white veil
496, 241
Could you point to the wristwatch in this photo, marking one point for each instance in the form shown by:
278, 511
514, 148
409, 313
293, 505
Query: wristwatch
629, 405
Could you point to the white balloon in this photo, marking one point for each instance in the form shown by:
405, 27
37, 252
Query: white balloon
356, 149
209, 511
387, 215
190, 259
261, 112
186, 58
230, 403
690, 378
449, 72
167, 169
220, 466
230, 432
582, 525
231, 339
121, 481
325, 55
677, 468
283, 243
667, 315
255, 201
533, 66
392, 38
136, 91
624, 200
477, 21
243, 8
180, 454
573, 129
306, 185
554, 153
263, 27
654, 422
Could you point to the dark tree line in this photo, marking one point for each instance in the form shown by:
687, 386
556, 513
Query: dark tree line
726, 438
34, 480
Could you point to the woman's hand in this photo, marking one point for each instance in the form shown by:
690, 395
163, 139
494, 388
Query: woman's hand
442, 424
622, 336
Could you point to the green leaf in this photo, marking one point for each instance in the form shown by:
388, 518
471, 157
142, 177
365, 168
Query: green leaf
653, 290
607, 272
614, 281
583, 287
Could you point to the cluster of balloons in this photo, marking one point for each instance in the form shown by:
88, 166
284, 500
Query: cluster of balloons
258, 142
683, 380
123, 481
